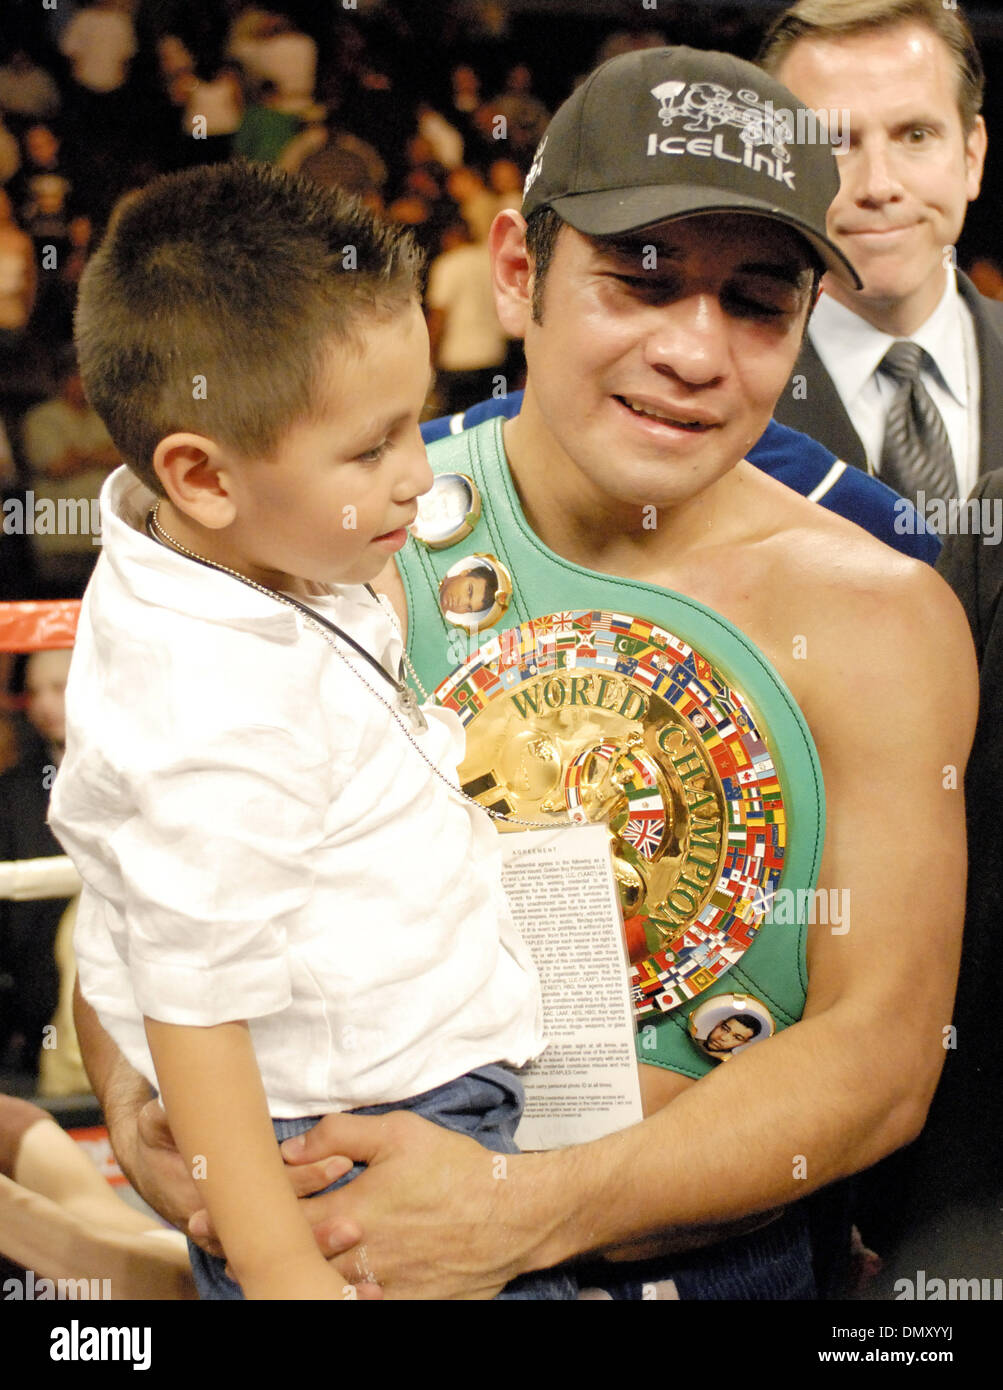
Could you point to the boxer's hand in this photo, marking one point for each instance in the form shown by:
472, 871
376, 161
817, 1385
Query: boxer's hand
145, 1149
430, 1218
305, 1180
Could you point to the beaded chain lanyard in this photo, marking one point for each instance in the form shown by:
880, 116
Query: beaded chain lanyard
405, 702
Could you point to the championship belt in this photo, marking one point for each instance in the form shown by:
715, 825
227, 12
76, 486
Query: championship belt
608, 699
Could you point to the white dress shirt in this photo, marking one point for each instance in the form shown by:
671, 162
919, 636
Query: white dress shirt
259, 840
851, 350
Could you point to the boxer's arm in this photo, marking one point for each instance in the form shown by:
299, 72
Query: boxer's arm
853, 1080
892, 706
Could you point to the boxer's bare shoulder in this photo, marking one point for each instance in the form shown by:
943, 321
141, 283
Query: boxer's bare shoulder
829, 604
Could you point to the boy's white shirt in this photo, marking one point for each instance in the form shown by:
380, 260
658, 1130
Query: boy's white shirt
258, 839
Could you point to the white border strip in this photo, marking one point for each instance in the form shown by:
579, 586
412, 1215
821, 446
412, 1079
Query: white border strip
829, 481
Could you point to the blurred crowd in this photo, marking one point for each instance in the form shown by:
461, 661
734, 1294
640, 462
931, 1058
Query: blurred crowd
430, 112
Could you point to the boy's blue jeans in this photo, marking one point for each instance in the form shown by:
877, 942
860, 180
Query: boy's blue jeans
772, 1263
485, 1104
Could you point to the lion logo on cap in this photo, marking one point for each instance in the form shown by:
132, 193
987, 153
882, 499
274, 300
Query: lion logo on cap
708, 104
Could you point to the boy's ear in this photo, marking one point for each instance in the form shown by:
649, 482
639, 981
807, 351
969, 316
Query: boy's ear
197, 477
511, 272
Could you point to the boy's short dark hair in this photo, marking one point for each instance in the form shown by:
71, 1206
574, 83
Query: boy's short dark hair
214, 299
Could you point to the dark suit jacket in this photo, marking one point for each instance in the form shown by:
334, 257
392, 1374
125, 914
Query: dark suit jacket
970, 1098
949, 1183
822, 415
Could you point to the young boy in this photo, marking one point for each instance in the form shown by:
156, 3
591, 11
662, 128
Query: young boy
289, 908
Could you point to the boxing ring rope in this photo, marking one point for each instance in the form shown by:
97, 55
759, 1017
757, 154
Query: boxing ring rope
24, 880
38, 625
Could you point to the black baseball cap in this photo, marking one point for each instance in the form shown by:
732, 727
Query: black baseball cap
671, 132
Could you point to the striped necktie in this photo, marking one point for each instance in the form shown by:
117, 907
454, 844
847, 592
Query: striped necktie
916, 453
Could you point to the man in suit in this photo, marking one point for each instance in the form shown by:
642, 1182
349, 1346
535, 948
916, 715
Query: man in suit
906, 79
908, 76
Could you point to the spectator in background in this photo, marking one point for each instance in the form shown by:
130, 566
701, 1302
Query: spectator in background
477, 207
335, 158
100, 43
42, 193
466, 95
102, 113
18, 281
70, 454
27, 91
415, 212
174, 61
266, 128
422, 161
505, 178
526, 117
270, 48
10, 155
370, 101
43, 175
29, 979
445, 140
462, 112
213, 99
917, 333
44, 212
487, 22
421, 202
423, 183
469, 345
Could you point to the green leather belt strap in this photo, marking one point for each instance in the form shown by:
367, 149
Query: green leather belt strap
773, 968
